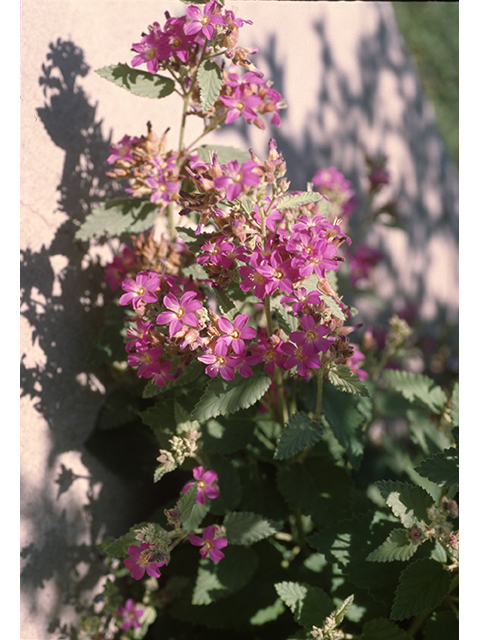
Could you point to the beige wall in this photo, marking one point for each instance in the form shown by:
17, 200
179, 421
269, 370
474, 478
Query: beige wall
342, 69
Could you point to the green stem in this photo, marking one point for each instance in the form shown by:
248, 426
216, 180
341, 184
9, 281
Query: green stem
418, 622
318, 408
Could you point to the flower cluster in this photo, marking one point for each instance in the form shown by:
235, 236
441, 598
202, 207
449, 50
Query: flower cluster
271, 253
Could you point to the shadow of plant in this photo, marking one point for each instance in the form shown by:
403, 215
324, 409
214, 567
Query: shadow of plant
64, 308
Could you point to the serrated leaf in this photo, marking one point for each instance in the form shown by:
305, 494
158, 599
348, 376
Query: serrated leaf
224, 154
334, 307
245, 528
116, 217
407, 502
187, 501
220, 579
193, 241
195, 517
268, 613
396, 547
310, 605
416, 386
383, 629
442, 468
423, 585
346, 380
119, 547
209, 77
455, 405
140, 83
300, 432
225, 303
224, 397
298, 199
291, 593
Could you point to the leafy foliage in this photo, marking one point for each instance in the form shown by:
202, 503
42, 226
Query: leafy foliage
140, 83
299, 433
117, 217
210, 82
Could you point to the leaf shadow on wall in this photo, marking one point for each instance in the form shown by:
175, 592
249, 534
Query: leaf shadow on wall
64, 309
426, 193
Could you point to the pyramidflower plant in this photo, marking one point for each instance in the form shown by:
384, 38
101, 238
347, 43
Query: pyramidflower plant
238, 351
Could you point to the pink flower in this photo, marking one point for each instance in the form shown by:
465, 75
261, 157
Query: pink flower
237, 179
142, 559
278, 273
141, 290
130, 615
268, 351
220, 362
206, 487
203, 21
180, 312
139, 335
116, 271
146, 361
295, 356
209, 544
235, 334
240, 105
363, 260
312, 338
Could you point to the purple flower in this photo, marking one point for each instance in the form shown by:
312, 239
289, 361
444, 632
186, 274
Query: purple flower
240, 105
295, 356
363, 260
203, 21
235, 334
206, 487
209, 544
141, 290
180, 312
220, 362
130, 615
237, 179
146, 359
142, 559
278, 273
311, 339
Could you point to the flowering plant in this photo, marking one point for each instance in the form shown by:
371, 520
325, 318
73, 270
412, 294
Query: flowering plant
237, 347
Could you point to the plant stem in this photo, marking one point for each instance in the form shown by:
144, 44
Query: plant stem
418, 622
318, 408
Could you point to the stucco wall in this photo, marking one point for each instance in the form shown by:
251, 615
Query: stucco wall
349, 86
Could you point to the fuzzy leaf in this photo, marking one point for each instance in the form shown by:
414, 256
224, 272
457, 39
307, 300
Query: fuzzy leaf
119, 547
298, 199
415, 386
407, 502
310, 605
245, 528
220, 579
122, 215
442, 468
346, 380
383, 629
300, 432
269, 613
455, 405
210, 82
423, 585
396, 547
223, 397
224, 154
140, 83
187, 502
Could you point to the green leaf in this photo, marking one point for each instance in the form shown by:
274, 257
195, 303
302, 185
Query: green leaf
298, 199
442, 468
223, 397
310, 605
455, 405
140, 83
407, 502
187, 502
245, 528
269, 613
225, 303
220, 579
383, 629
227, 435
116, 217
300, 432
416, 386
346, 380
192, 241
347, 543
119, 547
423, 585
396, 547
148, 618
224, 154
210, 81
